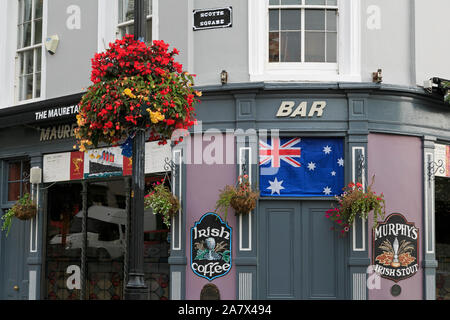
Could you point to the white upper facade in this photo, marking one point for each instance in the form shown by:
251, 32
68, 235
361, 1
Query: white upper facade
268, 40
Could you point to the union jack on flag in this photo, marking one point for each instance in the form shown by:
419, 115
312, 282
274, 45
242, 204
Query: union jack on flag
275, 152
301, 167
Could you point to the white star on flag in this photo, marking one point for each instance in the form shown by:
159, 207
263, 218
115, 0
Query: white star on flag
311, 166
327, 191
340, 162
333, 173
275, 186
327, 150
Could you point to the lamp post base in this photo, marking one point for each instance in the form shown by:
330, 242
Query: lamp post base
136, 289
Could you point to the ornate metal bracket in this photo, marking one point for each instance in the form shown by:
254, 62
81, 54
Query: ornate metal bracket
26, 177
433, 168
360, 166
170, 165
244, 168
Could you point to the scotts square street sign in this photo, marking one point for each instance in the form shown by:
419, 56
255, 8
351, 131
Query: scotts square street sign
211, 247
395, 251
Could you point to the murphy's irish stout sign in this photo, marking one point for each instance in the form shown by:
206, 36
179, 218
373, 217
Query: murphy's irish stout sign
395, 251
210, 247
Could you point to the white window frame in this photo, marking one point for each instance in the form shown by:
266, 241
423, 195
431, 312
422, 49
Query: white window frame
108, 26
347, 68
128, 23
32, 48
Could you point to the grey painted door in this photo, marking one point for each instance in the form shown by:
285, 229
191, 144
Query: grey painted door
14, 249
299, 256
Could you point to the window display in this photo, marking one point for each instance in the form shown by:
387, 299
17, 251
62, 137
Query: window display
102, 247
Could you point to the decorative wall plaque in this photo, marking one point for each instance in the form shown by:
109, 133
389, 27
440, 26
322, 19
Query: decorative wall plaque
212, 18
211, 247
395, 251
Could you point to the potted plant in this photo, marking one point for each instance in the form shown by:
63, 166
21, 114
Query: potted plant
162, 201
23, 209
135, 86
240, 197
354, 201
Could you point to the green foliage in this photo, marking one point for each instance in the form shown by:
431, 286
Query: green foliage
353, 202
223, 203
240, 197
7, 220
24, 203
447, 96
162, 201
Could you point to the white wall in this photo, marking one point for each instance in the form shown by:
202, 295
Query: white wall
387, 42
432, 45
8, 34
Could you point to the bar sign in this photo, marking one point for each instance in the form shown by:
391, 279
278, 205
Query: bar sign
212, 18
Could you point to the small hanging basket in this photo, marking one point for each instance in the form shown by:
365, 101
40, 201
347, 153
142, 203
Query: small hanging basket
244, 204
162, 201
242, 198
25, 211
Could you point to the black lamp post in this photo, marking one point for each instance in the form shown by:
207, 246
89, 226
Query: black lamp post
136, 289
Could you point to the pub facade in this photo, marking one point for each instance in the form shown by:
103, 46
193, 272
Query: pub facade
293, 97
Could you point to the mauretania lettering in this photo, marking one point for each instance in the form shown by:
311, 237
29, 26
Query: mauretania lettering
56, 112
64, 131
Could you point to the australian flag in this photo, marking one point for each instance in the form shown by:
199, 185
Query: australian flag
301, 167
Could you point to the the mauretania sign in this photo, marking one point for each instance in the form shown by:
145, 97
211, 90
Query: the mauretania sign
56, 112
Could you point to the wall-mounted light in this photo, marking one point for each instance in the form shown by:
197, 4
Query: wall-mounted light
51, 43
224, 77
377, 76
439, 85
35, 175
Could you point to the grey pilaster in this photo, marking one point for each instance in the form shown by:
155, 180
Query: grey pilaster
177, 259
358, 130
35, 227
429, 262
246, 159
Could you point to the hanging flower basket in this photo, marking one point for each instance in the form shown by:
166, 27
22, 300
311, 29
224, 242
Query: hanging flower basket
162, 201
23, 209
446, 85
354, 201
240, 197
135, 86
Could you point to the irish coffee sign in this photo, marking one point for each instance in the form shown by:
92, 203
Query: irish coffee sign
211, 247
396, 248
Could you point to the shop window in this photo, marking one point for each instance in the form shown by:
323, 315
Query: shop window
442, 224
29, 49
17, 181
126, 18
303, 31
106, 247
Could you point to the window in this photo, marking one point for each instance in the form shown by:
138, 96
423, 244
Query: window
126, 18
105, 252
29, 48
304, 40
442, 223
18, 182
303, 31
